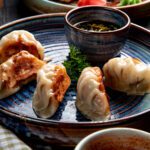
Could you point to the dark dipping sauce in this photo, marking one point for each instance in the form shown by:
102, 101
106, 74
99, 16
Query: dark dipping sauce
96, 25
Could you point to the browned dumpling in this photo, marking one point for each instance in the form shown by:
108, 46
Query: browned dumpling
92, 100
17, 71
127, 75
52, 83
19, 40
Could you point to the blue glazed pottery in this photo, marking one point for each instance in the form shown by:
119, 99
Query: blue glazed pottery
67, 127
98, 46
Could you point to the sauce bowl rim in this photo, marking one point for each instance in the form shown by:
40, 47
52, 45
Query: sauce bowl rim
100, 7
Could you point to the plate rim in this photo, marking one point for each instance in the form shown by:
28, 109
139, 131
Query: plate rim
140, 10
66, 123
72, 6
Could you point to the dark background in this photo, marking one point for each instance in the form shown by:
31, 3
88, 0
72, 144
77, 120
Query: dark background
16, 9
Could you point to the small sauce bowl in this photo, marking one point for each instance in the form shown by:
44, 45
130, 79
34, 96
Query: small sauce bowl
99, 46
116, 139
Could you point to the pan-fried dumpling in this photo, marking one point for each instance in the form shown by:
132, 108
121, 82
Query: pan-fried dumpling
52, 83
17, 71
128, 75
17, 41
92, 100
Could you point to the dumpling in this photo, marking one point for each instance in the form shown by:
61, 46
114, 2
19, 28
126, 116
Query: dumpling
92, 100
128, 75
52, 83
17, 71
17, 41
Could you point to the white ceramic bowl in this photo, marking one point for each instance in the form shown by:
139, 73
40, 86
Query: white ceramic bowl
116, 139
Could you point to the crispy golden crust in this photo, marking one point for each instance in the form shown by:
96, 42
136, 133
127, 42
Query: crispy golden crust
17, 41
52, 84
61, 82
92, 99
18, 69
129, 75
99, 75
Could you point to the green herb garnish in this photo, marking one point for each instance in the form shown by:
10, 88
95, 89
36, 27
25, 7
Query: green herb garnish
128, 2
76, 63
97, 26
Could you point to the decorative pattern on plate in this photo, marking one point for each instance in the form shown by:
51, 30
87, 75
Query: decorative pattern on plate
51, 34
49, 30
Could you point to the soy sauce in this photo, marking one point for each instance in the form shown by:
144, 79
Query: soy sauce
97, 26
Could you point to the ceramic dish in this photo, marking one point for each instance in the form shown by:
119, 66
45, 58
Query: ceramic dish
46, 6
98, 46
68, 126
116, 139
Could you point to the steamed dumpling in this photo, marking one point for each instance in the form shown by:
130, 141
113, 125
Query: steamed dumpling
17, 41
17, 71
52, 83
127, 75
91, 97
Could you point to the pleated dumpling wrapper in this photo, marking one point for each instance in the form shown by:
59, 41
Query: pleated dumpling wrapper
92, 100
128, 75
19, 40
52, 84
17, 71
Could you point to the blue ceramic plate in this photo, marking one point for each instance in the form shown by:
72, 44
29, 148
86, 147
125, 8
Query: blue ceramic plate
16, 110
50, 32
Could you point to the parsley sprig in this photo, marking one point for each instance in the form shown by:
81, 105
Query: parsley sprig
76, 63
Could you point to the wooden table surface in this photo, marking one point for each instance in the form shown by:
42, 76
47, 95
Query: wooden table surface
15, 9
